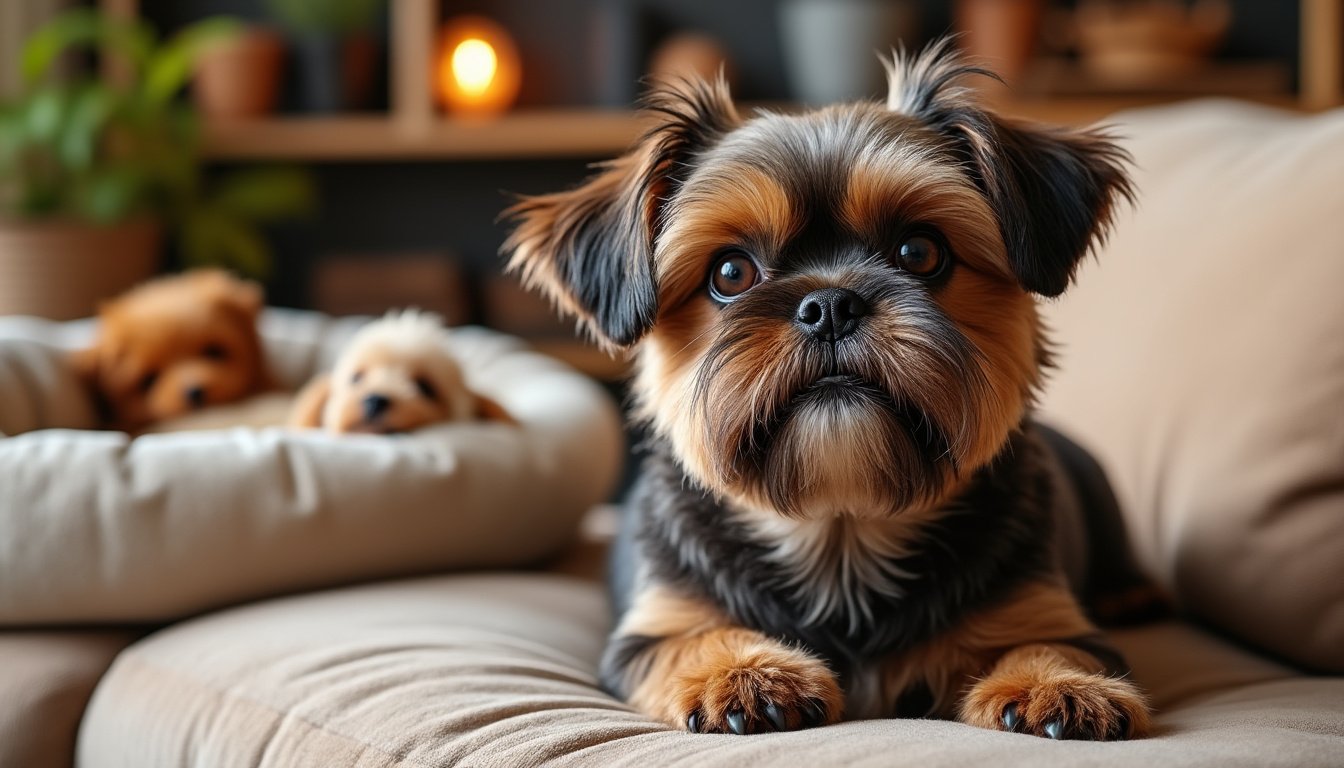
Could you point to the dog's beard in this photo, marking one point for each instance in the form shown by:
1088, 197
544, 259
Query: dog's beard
867, 427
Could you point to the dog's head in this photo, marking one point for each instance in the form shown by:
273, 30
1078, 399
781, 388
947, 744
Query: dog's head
174, 345
395, 376
834, 311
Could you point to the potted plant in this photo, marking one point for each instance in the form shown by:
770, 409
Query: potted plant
240, 78
334, 54
93, 173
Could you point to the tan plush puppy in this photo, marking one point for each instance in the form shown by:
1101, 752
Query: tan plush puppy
395, 376
173, 346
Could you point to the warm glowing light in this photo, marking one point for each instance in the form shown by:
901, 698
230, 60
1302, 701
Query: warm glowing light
478, 69
474, 66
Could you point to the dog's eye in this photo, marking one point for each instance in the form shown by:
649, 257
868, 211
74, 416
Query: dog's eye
426, 388
356, 376
216, 352
922, 256
148, 381
734, 274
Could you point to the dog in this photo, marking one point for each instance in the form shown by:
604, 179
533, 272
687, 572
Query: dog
846, 510
174, 346
396, 375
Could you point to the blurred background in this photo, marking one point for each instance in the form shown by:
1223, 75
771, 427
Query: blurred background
355, 154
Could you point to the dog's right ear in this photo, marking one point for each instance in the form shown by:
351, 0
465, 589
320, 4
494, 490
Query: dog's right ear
590, 249
307, 410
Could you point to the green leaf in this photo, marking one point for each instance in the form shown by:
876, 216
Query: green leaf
266, 194
110, 195
172, 65
90, 110
84, 27
46, 113
211, 237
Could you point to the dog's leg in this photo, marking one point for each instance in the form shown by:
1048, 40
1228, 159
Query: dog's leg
1045, 671
682, 661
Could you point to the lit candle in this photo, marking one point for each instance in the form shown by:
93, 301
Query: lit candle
478, 67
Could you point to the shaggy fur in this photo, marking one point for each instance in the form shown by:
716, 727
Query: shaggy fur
396, 375
848, 511
173, 346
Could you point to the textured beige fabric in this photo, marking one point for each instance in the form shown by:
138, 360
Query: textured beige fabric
1202, 360
95, 527
479, 671
46, 679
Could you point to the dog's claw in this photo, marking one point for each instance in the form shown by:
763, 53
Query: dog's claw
775, 717
1011, 719
737, 722
693, 722
1054, 729
814, 715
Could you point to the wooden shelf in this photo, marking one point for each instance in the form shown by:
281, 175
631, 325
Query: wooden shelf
522, 134
534, 134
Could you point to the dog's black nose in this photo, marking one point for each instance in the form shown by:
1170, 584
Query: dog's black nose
831, 314
375, 406
195, 396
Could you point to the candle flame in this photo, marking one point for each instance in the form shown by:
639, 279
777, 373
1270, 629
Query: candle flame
474, 66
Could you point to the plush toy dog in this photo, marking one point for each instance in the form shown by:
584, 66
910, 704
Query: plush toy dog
396, 375
173, 346
848, 511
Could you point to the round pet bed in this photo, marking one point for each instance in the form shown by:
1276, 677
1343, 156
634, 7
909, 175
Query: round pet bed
98, 527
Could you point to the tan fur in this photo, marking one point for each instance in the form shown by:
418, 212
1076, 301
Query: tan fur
1046, 684
388, 358
704, 665
1004, 654
169, 336
306, 413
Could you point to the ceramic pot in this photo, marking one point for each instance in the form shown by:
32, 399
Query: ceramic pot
63, 269
240, 78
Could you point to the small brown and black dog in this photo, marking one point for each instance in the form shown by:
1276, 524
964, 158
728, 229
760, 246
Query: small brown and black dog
848, 511
173, 346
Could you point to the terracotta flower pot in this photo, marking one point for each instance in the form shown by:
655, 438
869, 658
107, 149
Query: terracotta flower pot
63, 269
240, 78
1000, 34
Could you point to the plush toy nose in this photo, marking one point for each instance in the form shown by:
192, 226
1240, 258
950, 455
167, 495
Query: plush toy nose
375, 406
830, 314
195, 396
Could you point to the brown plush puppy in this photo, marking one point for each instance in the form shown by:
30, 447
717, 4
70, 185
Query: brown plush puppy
396, 375
175, 345
848, 511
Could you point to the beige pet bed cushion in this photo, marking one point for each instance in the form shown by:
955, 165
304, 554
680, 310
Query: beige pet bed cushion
96, 527
1202, 359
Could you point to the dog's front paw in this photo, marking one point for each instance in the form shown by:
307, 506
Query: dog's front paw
759, 687
1065, 704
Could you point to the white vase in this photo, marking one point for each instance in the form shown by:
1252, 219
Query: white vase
831, 47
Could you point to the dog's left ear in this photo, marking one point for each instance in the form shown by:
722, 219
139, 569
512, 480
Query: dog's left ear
1053, 190
590, 249
306, 413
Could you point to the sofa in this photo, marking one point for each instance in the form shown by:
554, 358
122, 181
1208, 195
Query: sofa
1200, 357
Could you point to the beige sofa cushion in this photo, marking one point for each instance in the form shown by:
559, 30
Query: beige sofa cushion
96, 527
1202, 360
500, 670
46, 679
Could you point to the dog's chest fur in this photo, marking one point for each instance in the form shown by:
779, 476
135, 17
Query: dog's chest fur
840, 569
851, 591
